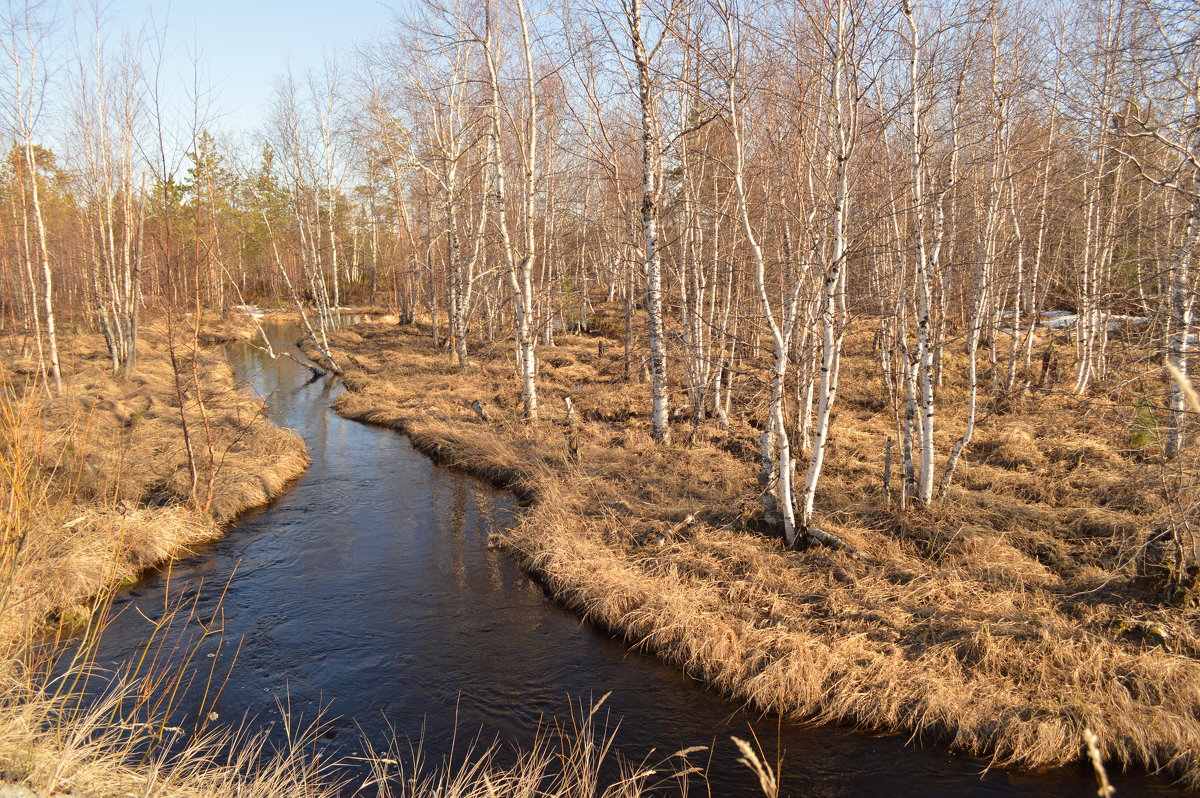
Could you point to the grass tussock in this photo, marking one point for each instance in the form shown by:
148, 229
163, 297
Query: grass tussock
1005, 622
56, 745
568, 759
113, 747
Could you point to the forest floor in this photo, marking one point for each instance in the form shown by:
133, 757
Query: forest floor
1004, 622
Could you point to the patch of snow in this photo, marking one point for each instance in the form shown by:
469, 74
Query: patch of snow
1059, 319
1066, 319
1117, 321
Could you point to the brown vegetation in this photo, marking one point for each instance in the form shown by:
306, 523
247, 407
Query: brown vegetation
97, 488
100, 758
1005, 621
733, 177
97, 481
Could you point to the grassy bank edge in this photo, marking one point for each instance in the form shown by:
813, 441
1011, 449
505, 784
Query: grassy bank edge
643, 620
57, 450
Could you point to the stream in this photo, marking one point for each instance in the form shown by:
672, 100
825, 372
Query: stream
367, 591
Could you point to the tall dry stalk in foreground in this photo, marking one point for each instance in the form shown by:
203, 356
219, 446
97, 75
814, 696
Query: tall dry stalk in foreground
1186, 389
567, 760
31, 495
1104, 788
1180, 481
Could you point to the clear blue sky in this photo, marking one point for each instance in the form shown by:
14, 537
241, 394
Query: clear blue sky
245, 44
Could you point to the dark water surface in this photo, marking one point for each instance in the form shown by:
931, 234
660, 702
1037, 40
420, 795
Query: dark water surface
368, 590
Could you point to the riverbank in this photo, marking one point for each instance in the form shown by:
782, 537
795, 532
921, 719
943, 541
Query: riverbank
98, 487
110, 452
100, 479
1003, 624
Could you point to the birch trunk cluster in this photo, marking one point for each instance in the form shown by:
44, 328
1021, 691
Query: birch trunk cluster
1000, 195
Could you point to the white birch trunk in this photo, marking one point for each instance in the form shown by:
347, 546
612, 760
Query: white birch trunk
833, 296
519, 274
777, 458
651, 188
924, 354
1182, 298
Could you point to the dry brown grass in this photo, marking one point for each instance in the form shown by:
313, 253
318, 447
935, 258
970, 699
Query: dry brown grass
59, 747
1003, 623
97, 486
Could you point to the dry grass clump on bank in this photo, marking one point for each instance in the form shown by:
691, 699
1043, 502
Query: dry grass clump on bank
56, 745
227, 328
97, 483
1004, 622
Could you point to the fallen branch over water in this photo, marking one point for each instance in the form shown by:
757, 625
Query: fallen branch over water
312, 367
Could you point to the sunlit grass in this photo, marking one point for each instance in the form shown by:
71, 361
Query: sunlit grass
1004, 622
71, 504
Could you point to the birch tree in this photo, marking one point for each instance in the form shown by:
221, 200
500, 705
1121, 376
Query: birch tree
652, 180
777, 472
1169, 121
839, 32
520, 270
922, 363
107, 124
24, 40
